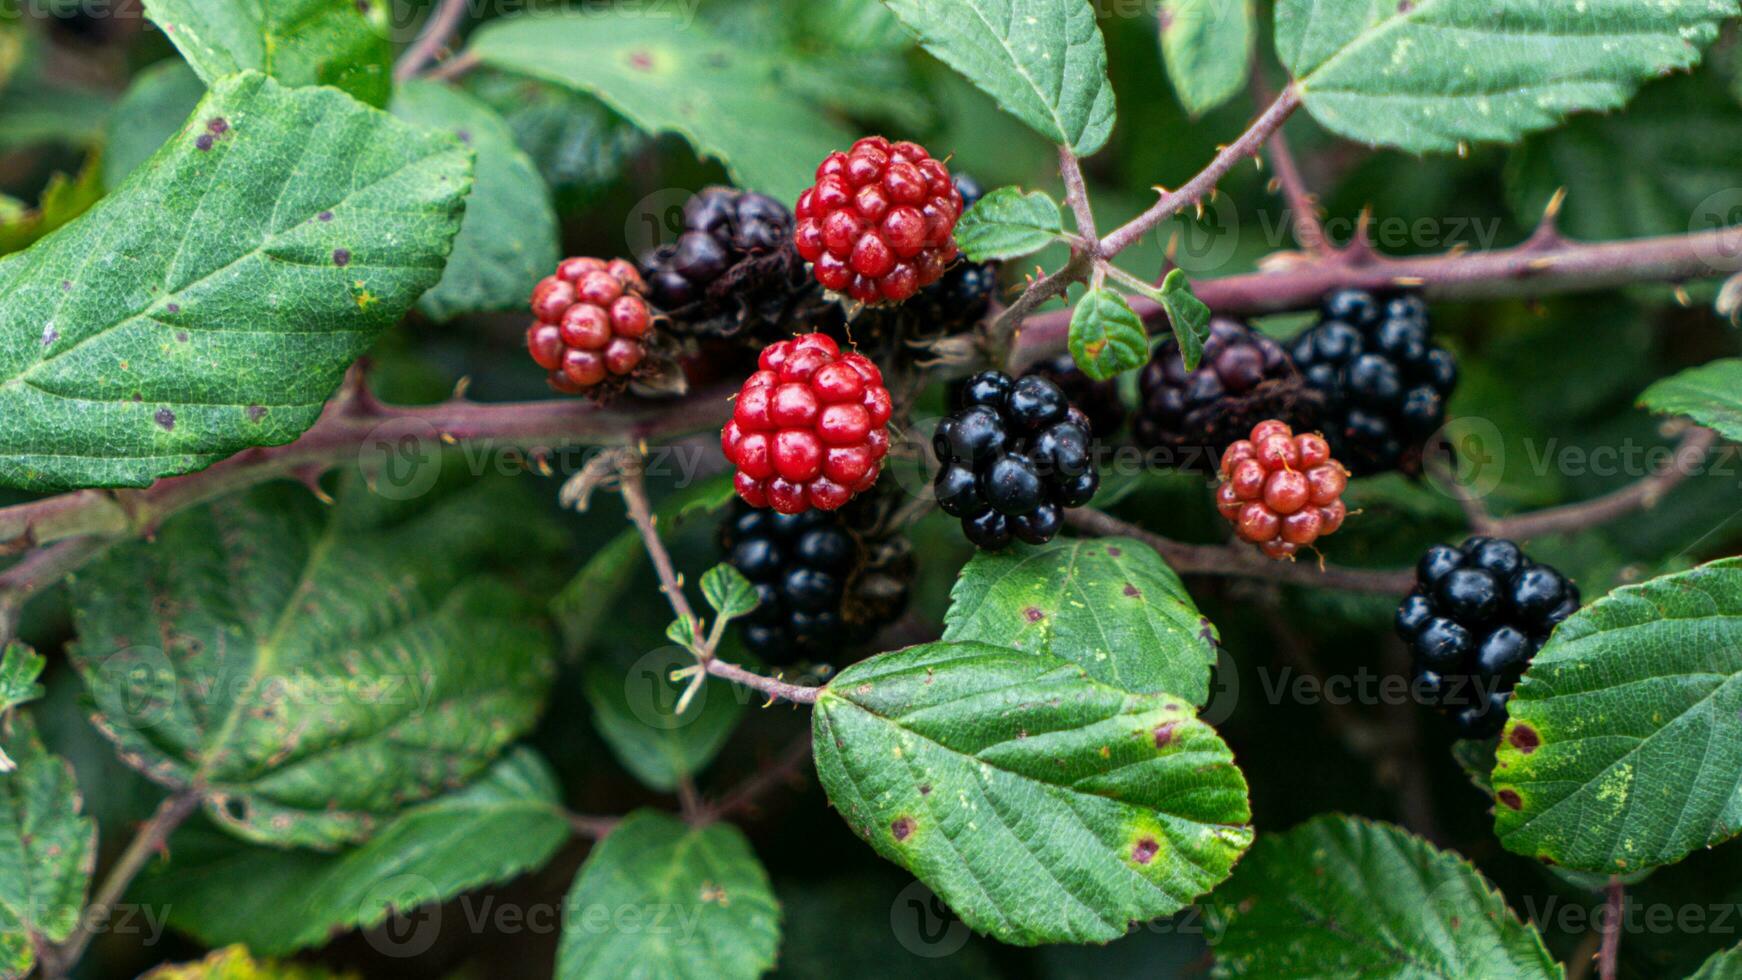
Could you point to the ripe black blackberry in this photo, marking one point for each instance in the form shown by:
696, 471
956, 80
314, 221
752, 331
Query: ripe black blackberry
732, 270
1243, 379
1384, 381
827, 580
1099, 400
1013, 458
1476, 617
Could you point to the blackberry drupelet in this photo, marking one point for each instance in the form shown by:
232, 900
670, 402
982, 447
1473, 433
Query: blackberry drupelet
1013, 458
1478, 614
732, 270
825, 580
1243, 379
1384, 381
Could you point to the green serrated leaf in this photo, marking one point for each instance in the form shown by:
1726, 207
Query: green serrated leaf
1043, 60
728, 591
214, 301
235, 963
1008, 224
634, 703
1346, 897
1207, 46
299, 42
726, 100
509, 239
1723, 965
509, 821
311, 669
156, 106
19, 669
1624, 745
50, 849
1107, 338
1188, 315
682, 631
1429, 75
1110, 605
1041, 804
705, 879
1710, 394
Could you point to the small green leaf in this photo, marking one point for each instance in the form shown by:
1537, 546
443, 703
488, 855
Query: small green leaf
1345, 897
156, 106
214, 301
727, 100
1624, 746
728, 591
311, 669
683, 630
19, 670
1109, 604
1043, 60
1008, 224
298, 899
1044, 806
708, 879
509, 239
634, 703
341, 43
1723, 965
1207, 45
50, 849
1710, 394
1106, 337
1428, 75
1188, 315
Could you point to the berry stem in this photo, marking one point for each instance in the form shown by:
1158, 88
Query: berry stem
438, 30
1239, 561
1608, 955
151, 839
1200, 186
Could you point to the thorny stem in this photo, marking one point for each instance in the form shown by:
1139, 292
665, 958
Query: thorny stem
37, 571
1077, 196
1608, 955
438, 30
1302, 209
151, 838
634, 490
1642, 494
784, 770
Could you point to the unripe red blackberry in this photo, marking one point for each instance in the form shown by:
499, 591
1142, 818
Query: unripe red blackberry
809, 429
1243, 378
1477, 616
879, 225
593, 325
1281, 491
732, 270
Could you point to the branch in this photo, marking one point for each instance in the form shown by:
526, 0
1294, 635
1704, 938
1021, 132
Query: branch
1546, 264
152, 837
1077, 196
1609, 954
37, 571
1239, 561
1302, 209
1642, 494
634, 491
594, 828
438, 30
785, 770
1200, 186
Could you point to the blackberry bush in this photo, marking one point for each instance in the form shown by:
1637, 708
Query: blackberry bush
1243, 379
1014, 457
1384, 381
1477, 616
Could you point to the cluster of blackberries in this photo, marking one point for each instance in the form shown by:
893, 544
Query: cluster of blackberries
1384, 381
1244, 378
731, 269
1099, 400
1013, 458
821, 584
1476, 617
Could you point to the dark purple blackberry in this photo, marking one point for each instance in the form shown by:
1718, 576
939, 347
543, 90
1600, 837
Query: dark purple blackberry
1476, 617
826, 580
1243, 379
1012, 459
1099, 400
732, 270
1384, 381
